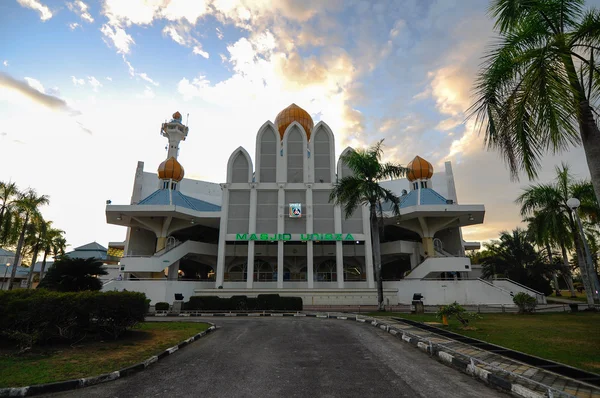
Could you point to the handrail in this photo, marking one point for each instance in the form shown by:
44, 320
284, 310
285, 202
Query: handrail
158, 253
511, 294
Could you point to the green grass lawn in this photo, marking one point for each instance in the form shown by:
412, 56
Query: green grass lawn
572, 339
566, 294
50, 364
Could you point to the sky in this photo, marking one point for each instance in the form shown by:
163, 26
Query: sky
85, 86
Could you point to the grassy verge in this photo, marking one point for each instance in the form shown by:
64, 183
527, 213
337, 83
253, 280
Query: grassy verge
568, 338
566, 294
50, 364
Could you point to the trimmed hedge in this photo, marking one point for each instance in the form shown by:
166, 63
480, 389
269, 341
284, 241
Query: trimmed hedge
161, 306
264, 302
32, 316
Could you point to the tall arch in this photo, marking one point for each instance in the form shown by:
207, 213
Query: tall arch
322, 151
267, 151
239, 166
294, 146
342, 169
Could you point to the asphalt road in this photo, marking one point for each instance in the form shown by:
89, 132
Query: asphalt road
294, 357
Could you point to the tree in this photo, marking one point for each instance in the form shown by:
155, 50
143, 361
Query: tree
55, 243
548, 202
530, 96
73, 275
9, 223
36, 240
362, 189
28, 208
514, 256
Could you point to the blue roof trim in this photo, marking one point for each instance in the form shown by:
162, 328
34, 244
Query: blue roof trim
161, 197
410, 199
428, 197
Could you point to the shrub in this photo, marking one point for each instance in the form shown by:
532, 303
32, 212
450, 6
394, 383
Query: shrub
29, 317
458, 312
264, 302
525, 302
73, 275
162, 306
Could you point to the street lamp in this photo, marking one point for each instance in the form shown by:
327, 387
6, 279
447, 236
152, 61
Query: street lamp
5, 271
573, 204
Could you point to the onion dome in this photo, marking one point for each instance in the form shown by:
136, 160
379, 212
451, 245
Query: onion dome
170, 169
177, 117
294, 113
419, 169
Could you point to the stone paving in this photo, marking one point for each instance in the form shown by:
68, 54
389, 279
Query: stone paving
517, 372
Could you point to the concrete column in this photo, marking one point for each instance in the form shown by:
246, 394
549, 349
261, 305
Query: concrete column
310, 272
173, 271
222, 236
161, 242
339, 251
280, 229
368, 248
428, 246
252, 230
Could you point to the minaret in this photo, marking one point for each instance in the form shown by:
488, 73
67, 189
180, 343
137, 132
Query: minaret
175, 131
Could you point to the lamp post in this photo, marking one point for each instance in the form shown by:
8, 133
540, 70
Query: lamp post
5, 271
589, 272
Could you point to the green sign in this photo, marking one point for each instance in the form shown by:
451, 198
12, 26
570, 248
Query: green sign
303, 237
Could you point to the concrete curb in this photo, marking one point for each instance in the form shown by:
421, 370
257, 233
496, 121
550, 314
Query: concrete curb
448, 359
90, 381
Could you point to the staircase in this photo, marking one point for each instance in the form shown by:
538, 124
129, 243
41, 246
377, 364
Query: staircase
165, 258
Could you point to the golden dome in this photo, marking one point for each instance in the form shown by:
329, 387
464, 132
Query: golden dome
177, 116
294, 113
419, 169
170, 169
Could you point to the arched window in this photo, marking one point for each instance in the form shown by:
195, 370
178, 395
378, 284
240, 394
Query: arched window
354, 273
238, 273
264, 272
295, 156
240, 168
326, 271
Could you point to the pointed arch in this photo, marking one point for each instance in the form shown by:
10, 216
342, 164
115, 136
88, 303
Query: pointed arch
239, 166
295, 144
267, 151
340, 164
322, 150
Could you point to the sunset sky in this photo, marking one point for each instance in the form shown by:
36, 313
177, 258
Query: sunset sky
85, 86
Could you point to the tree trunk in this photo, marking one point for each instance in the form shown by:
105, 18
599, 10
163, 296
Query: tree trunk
554, 273
590, 138
583, 269
376, 256
13, 272
31, 269
43, 265
567, 272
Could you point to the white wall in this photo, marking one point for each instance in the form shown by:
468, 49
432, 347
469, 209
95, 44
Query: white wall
160, 290
464, 292
203, 190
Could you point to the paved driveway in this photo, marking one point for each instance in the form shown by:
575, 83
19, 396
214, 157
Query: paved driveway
294, 357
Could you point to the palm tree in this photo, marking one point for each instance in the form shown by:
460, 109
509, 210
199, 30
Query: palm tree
9, 226
55, 243
530, 96
514, 256
362, 189
549, 202
36, 238
539, 232
28, 208
74, 275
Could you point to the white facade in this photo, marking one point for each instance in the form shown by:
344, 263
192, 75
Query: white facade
241, 236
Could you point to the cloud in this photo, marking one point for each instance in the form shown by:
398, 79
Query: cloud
77, 82
35, 84
181, 34
94, 83
81, 9
199, 51
74, 25
145, 77
5, 63
120, 39
45, 13
219, 33
25, 89
108, 78
147, 94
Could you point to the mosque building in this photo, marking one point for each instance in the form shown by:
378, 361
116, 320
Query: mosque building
271, 228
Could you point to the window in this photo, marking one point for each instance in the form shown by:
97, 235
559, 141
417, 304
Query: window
353, 273
263, 271
423, 184
326, 271
173, 186
415, 185
165, 185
